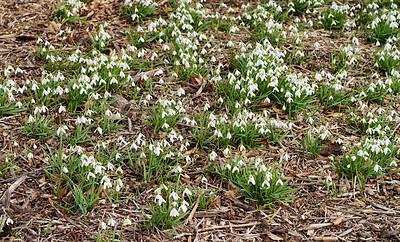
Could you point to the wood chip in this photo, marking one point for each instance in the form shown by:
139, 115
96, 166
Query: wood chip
316, 226
338, 221
274, 237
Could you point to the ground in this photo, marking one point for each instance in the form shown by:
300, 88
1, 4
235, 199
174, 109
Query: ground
326, 205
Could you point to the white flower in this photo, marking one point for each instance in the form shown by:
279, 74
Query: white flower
160, 199
9, 221
90, 174
177, 169
180, 92
103, 225
174, 195
279, 182
119, 170
251, 180
226, 152
127, 222
377, 168
187, 192
328, 180
174, 213
183, 207
99, 130
266, 182
206, 107
62, 130
111, 222
393, 163
65, 170
110, 166
106, 182
235, 169
213, 155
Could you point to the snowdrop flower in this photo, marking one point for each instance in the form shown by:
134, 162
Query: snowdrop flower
180, 92
226, 152
110, 166
251, 180
127, 222
65, 169
159, 199
174, 213
99, 130
328, 180
184, 205
103, 225
174, 195
61, 109
206, 107
177, 169
106, 182
19, 104
112, 222
377, 168
30, 119
9, 221
62, 130
235, 169
119, 170
30, 156
90, 174
266, 182
213, 155
187, 192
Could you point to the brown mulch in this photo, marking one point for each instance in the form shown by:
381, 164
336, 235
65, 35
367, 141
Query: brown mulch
316, 214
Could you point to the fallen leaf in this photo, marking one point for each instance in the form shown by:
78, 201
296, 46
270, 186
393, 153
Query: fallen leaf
276, 110
48, 196
231, 195
63, 191
273, 236
338, 221
216, 203
42, 180
187, 181
331, 148
303, 174
326, 239
316, 226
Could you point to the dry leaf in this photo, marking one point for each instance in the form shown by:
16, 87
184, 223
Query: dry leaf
338, 221
276, 110
274, 237
187, 181
42, 180
231, 195
326, 239
63, 191
303, 174
216, 204
48, 196
317, 226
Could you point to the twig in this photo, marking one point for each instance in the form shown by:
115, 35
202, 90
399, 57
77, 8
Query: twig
5, 198
2, 181
230, 226
394, 131
273, 215
189, 219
